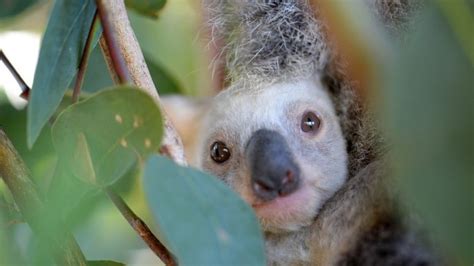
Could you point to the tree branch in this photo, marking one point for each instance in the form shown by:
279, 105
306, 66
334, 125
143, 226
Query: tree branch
17, 178
141, 228
115, 21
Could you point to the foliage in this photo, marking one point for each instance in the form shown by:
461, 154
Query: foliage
221, 219
62, 46
429, 102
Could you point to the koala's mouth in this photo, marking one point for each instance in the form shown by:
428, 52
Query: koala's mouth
288, 205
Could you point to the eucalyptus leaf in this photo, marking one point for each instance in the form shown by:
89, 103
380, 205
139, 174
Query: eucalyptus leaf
102, 137
201, 219
61, 49
146, 7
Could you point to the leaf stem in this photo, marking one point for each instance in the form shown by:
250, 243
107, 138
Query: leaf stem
84, 61
30, 203
25, 89
141, 228
118, 61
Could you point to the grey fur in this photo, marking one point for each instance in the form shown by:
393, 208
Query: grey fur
268, 40
275, 41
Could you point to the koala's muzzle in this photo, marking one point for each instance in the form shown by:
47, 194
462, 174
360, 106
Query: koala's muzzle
272, 167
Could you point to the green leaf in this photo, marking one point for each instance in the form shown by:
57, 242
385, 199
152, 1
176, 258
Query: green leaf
104, 263
102, 137
430, 100
61, 50
97, 74
164, 82
202, 220
70, 199
12, 8
146, 7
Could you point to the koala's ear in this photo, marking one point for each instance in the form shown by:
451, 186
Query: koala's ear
187, 114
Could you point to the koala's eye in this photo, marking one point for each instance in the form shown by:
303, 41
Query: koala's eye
310, 122
219, 152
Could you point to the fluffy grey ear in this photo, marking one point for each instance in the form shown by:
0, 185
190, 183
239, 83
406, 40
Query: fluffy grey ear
187, 115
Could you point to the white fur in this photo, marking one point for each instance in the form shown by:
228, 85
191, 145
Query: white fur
236, 113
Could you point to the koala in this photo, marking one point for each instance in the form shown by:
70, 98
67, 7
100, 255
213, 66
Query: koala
291, 137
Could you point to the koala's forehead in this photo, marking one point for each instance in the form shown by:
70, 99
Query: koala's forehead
266, 103
237, 112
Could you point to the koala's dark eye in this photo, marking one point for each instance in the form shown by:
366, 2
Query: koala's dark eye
310, 122
219, 152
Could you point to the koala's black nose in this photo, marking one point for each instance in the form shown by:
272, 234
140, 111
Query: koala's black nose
273, 169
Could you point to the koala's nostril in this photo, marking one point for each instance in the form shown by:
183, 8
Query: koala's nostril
267, 188
263, 190
289, 183
288, 178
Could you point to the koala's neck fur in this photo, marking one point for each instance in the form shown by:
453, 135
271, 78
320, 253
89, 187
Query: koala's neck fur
291, 248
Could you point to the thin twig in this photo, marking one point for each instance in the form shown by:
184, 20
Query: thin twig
30, 203
25, 89
84, 61
141, 228
117, 24
118, 61
108, 60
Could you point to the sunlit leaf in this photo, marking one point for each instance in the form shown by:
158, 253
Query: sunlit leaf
146, 7
61, 49
107, 133
200, 218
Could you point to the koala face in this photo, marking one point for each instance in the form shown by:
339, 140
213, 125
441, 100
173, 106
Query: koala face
281, 148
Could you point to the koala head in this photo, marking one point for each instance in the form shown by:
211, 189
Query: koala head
280, 147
